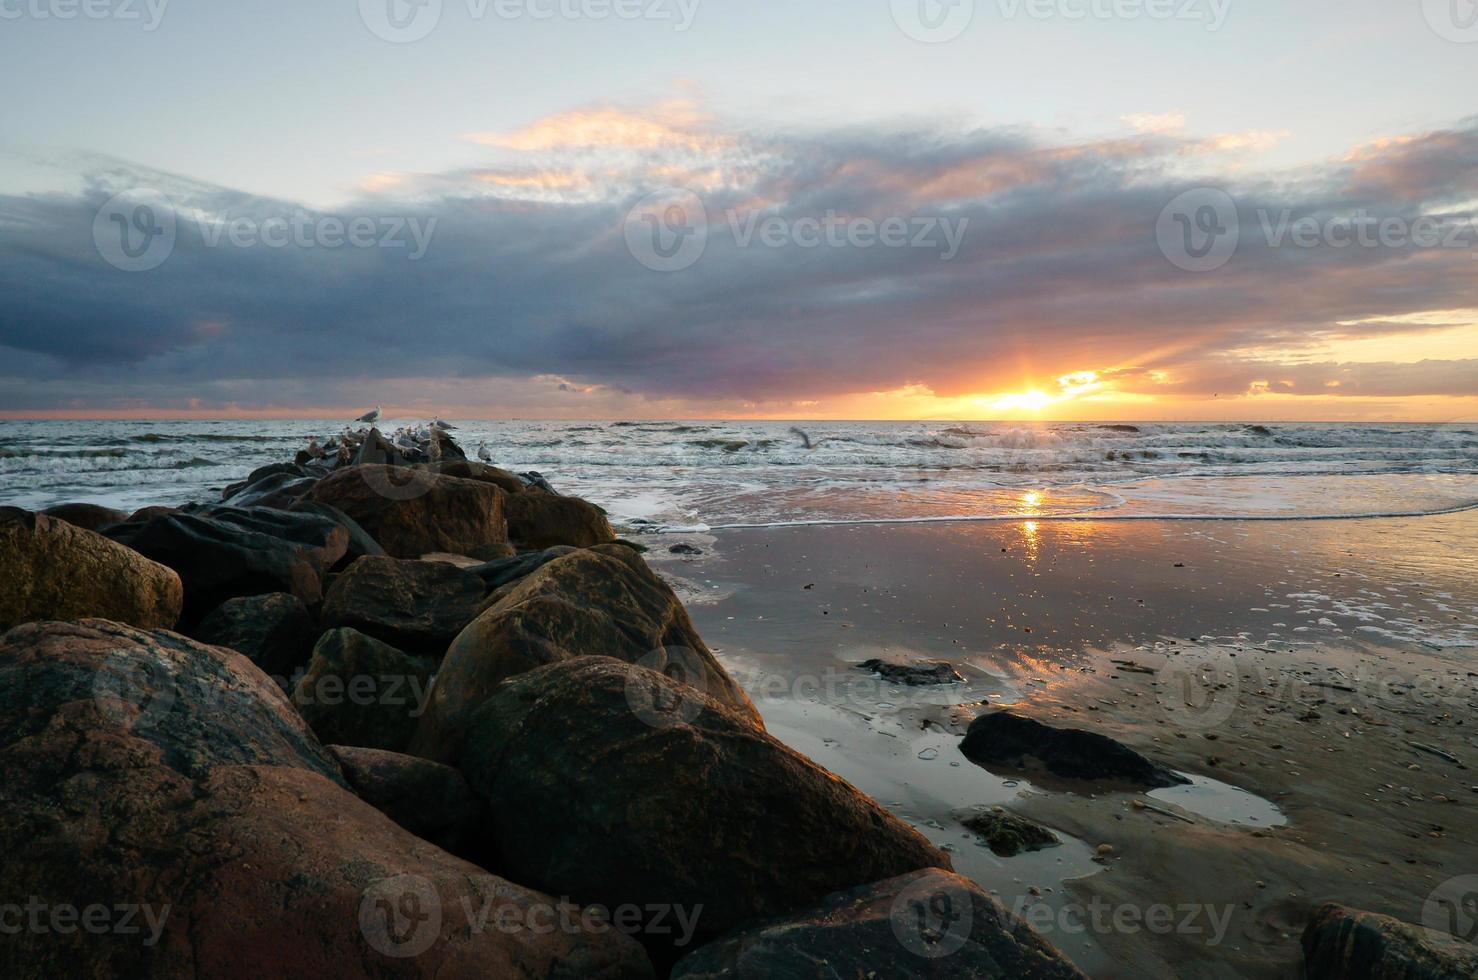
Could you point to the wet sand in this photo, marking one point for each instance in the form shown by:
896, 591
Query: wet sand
1290, 668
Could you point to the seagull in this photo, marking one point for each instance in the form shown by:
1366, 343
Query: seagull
443, 426
483, 454
370, 417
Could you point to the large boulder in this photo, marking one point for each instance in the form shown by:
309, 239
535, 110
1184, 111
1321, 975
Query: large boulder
603, 601
359, 691
54, 569
542, 520
280, 490
1003, 738
486, 473
617, 785
225, 552
163, 796
1342, 943
428, 799
927, 923
275, 631
413, 512
292, 471
361, 543
87, 516
418, 606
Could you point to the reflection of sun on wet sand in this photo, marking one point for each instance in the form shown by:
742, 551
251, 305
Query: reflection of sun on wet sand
1313, 680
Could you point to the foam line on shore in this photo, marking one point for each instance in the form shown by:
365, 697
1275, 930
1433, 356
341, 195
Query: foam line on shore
1082, 516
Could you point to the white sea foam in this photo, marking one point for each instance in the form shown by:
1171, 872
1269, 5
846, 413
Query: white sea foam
696, 475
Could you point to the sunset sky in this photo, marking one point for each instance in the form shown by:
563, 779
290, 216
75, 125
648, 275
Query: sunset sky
1250, 210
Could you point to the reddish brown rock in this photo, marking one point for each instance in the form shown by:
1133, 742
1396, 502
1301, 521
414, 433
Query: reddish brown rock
89, 517
468, 470
428, 799
925, 924
614, 784
413, 512
418, 606
1342, 943
542, 520
56, 570
602, 601
215, 819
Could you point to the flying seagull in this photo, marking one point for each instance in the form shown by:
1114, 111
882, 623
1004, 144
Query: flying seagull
370, 417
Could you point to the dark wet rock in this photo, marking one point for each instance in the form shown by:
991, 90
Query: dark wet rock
483, 472
1007, 834
274, 631
615, 784
360, 541
493, 552
360, 691
89, 517
413, 512
53, 569
152, 511
1127, 429
1342, 943
535, 480
498, 573
418, 606
685, 549
1259, 430
293, 471
928, 923
428, 799
1004, 738
602, 601
224, 552
917, 674
280, 490
147, 772
541, 520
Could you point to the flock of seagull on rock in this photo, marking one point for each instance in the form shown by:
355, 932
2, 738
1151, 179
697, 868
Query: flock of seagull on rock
427, 442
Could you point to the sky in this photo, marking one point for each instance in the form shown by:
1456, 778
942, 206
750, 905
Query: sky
1068, 209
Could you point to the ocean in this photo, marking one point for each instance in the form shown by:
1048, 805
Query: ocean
694, 476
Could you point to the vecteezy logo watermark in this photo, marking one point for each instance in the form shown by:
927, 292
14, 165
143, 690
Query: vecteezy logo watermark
1452, 909
669, 231
680, 700
403, 916
138, 230
937, 21
400, 917
39, 917
132, 692
933, 21
1198, 689
135, 230
1102, 918
1453, 20
400, 21
150, 12
1199, 230
404, 21
932, 918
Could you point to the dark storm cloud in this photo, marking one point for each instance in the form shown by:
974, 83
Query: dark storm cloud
1059, 268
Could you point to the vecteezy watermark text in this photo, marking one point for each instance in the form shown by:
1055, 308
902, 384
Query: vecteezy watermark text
1201, 229
670, 231
137, 230
405, 21
39, 917
149, 12
937, 21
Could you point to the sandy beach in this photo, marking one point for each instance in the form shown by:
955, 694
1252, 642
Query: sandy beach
1291, 668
